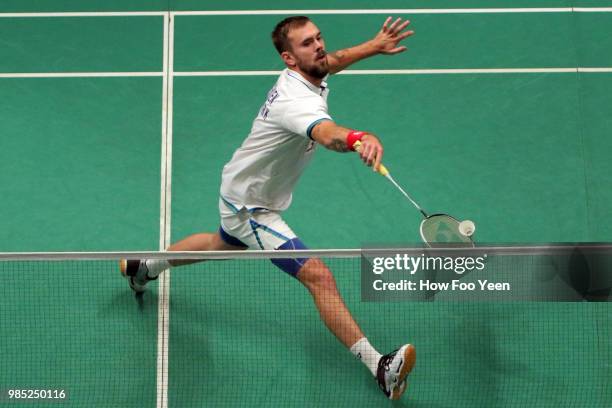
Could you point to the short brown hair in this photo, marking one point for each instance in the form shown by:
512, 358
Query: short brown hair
280, 35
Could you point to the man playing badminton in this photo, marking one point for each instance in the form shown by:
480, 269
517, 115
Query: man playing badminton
258, 181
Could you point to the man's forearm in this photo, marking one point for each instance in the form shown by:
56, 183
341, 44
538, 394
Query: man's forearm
339, 60
330, 135
385, 42
341, 139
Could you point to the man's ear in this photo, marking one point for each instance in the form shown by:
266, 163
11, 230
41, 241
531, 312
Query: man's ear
288, 59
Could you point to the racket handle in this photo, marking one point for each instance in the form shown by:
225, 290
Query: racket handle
382, 170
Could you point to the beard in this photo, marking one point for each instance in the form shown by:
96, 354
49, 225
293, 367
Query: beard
317, 70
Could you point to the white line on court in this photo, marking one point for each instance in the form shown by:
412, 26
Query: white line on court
371, 11
85, 14
312, 12
78, 74
226, 73
162, 305
457, 71
593, 9
406, 71
395, 11
165, 79
169, 139
275, 73
594, 69
164, 279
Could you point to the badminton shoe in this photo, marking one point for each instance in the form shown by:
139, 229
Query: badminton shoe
136, 272
393, 368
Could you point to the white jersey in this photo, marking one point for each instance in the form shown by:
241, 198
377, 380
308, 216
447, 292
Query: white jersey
265, 169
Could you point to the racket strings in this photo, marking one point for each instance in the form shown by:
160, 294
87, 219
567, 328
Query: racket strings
443, 229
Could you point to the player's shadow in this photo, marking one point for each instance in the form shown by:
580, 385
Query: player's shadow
479, 358
216, 341
125, 301
195, 364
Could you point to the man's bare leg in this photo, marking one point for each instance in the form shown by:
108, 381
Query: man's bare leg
318, 279
200, 242
140, 272
389, 370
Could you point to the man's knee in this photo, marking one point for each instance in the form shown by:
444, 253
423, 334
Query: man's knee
315, 275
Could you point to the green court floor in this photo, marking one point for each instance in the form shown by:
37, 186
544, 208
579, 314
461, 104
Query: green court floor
524, 155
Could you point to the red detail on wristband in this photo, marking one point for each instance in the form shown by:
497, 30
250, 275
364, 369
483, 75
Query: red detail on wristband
352, 137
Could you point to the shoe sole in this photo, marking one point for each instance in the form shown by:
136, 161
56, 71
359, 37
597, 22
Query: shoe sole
123, 267
123, 270
409, 361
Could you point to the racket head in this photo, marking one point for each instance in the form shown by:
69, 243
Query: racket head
442, 230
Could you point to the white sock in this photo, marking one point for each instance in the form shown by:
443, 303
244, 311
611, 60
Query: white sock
364, 351
156, 266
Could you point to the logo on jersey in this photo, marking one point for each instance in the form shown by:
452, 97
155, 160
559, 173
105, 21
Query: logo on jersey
265, 109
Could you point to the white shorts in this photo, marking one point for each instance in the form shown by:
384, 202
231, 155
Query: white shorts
257, 228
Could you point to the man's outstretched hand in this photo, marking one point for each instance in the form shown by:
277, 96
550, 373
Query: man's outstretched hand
390, 35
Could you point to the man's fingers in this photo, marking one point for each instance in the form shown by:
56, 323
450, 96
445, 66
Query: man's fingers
379, 157
371, 154
378, 160
366, 154
397, 50
385, 24
393, 26
367, 158
404, 35
402, 26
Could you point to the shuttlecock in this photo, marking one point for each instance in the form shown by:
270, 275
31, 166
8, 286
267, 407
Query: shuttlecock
467, 228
